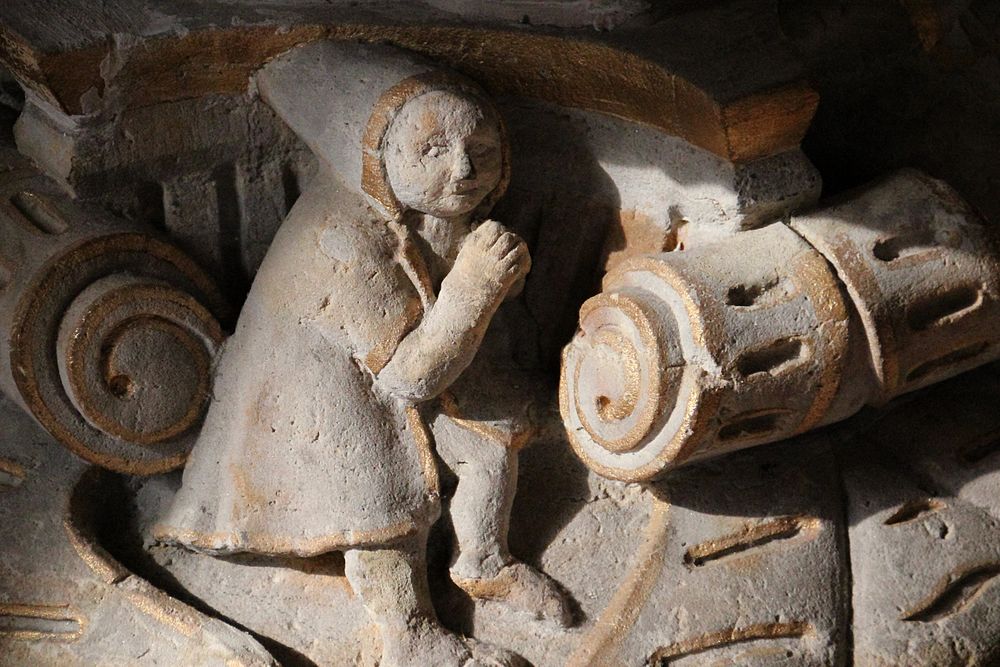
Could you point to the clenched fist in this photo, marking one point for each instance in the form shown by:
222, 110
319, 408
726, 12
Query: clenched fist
492, 256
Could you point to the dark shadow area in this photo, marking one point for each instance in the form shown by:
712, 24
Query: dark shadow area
900, 88
111, 514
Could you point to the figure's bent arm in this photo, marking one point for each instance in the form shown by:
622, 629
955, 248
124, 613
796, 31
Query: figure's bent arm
433, 355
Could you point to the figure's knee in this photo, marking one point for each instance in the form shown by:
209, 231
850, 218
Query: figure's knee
488, 460
472, 451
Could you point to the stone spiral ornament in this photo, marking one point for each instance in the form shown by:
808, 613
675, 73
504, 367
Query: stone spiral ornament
693, 393
780, 330
109, 331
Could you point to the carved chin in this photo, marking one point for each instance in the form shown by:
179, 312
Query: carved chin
451, 204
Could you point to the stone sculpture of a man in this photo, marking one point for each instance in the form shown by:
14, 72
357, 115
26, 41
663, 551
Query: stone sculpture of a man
373, 298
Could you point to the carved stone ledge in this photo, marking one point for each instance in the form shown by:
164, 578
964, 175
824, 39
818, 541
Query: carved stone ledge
63, 598
639, 74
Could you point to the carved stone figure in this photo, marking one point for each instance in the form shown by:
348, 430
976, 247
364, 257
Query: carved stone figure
367, 306
375, 380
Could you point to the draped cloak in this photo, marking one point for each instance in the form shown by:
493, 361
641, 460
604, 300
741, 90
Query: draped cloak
301, 452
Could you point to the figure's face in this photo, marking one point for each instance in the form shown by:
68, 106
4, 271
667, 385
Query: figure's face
443, 154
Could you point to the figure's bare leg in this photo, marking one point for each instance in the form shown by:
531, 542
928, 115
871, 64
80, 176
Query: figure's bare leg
481, 506
392, 584
480, 513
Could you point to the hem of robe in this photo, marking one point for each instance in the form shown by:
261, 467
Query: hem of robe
271, 544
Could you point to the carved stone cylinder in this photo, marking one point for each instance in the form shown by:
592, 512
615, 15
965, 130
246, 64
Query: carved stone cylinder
108, 331
773, 332
923, 272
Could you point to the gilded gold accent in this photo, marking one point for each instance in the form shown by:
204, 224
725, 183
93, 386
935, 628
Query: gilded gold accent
570, 71
425, 448
600, 645
952, 593
262, 543
25, 337
751, 535
618, 408
862, 284
99, 561
82, 344
13, 469
162, 608
374, 179
727, 637
412, 262
651, 398
701, 403
514, 440
813, 274
61, 612
686, 291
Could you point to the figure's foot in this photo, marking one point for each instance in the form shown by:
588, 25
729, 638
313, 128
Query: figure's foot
523, 588
430, 644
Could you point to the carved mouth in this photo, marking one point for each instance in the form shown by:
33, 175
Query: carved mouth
464, 188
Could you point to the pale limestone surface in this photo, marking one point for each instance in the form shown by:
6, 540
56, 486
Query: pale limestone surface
63, 599
777, 331
745, 560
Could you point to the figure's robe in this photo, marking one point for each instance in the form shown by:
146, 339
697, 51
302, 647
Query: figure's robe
301, 452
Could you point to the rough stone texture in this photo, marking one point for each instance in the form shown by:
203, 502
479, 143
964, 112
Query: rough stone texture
108, 330
218, 173
691, 354
594, 536
922, 487
750, 103
922, 270
736, 568
63, 599
588, 190
690, 570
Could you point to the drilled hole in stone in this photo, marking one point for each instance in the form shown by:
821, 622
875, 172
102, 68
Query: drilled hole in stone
931, 312
950, 359
750, 427
891, 249
773, 358
120, 386
914, 510
745, 296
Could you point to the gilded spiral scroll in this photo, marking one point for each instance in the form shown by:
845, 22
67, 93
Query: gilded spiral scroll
109, 331
706, 395
771, 333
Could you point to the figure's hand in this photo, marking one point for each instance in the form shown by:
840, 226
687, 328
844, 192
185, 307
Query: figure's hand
493, 257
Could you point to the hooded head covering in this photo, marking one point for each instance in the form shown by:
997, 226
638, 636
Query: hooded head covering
340, 98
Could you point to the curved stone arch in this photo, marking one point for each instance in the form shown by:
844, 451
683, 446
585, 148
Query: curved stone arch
581, 70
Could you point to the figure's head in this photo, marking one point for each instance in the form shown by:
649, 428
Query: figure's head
435, 143
443, 153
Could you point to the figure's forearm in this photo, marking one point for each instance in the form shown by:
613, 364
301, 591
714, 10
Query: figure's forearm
433, 355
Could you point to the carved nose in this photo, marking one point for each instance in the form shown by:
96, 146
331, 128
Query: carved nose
464, 167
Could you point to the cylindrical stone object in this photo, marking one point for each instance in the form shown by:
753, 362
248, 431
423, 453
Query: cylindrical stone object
923, 271
107, 330
773, 332
690, 354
